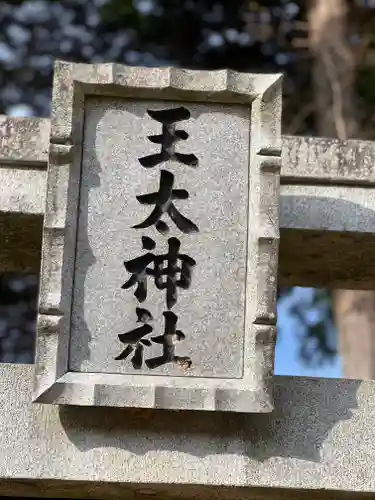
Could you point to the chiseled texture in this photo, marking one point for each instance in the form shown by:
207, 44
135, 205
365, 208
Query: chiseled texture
317, 159
320, 436
24, 139
304, 159
211, 311
317, 223
24, 144
96, 140
22, 189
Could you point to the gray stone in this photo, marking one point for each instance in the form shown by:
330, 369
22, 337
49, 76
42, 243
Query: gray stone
211, 312
323, 184
228, 313
314, 160
319, 438
24, 140
320, 160
22, 189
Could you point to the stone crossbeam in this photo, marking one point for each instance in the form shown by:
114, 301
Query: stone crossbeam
317, 443
327, 206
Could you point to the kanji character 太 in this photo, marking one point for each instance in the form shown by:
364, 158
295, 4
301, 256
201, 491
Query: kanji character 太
163, 201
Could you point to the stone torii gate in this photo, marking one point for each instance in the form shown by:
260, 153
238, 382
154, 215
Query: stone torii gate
318, 440
327, 205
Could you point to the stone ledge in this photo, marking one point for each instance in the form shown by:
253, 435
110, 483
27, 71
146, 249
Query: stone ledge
24, 140
317, 160
327, 208
340, 256
312, 160
22, 189
314, 440
20, 242
39, 488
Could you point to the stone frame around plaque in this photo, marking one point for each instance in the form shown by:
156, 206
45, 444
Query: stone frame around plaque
54, 383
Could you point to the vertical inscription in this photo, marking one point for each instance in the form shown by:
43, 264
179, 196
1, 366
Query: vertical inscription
168, 271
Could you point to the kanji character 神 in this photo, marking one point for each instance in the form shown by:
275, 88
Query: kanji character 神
167, 277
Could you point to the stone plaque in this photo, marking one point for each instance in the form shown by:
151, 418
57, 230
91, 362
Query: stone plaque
159, 271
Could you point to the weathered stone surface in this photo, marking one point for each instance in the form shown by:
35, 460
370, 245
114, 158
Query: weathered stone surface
330, 161
227, 309
329, 226
327, 259
313, 160
78, 489
24, 140
303, 444
210, 315
319, 437
22, 189
20, 242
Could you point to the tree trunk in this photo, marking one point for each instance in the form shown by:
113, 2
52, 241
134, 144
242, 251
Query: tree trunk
334, 75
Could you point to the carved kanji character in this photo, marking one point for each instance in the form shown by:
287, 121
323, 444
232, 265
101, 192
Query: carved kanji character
166, 271
168, 138
134, 339
169, 340
163, 201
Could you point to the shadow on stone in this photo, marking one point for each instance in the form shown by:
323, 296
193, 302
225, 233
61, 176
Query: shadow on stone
327, 242
306, 412
90, 179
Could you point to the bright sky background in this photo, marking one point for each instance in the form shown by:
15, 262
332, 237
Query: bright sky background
287, 360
